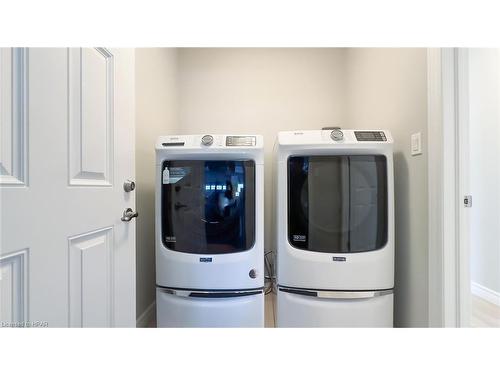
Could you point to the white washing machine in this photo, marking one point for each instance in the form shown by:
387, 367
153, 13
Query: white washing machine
334, 228
210, 231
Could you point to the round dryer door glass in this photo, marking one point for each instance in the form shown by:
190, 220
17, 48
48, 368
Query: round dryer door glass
337, 204
208, 207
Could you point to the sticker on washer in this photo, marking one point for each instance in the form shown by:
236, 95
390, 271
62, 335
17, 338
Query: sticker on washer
299, 237
175, 174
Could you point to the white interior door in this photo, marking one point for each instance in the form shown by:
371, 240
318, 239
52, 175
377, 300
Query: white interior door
67, 146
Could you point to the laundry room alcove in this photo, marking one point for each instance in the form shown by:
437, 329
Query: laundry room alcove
267, 90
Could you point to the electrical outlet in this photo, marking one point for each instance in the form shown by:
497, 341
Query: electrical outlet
416, 144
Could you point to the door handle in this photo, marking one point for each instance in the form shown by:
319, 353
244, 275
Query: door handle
129, 214
128, 186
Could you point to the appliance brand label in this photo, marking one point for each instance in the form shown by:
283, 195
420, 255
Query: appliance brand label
206, 260
339, 259
175, 174
299, 237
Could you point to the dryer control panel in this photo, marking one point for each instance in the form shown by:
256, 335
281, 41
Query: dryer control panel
336, 137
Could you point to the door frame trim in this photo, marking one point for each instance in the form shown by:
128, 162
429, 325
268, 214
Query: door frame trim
448, 259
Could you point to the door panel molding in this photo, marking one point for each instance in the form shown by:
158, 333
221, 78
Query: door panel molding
91, 275
13, 116
14, 287
90, 116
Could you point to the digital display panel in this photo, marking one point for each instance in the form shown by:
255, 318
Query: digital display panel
237, 140
370, 136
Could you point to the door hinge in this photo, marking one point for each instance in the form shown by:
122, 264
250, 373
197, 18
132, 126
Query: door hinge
467, 200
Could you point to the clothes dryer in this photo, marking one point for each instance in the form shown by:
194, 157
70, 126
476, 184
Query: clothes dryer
335, 228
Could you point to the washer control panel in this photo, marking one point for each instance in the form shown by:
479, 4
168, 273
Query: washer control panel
370, 136
239, 140
209, 142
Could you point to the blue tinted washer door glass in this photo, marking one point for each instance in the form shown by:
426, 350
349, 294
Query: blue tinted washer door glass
208, 207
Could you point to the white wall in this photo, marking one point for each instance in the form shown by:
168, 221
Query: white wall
484, 135
262, 91
387, 88
156, 114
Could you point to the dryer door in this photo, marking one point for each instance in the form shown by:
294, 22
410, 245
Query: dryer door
337, 203
208, 207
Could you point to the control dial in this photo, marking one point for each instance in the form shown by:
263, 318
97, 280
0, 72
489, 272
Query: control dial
337, 135
207, 140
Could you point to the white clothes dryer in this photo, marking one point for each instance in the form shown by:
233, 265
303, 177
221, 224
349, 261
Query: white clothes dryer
334, 228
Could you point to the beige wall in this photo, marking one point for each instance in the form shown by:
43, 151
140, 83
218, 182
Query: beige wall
387, 88
156, 114
262, 91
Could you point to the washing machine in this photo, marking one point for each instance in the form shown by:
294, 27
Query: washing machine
209, 231
334, 218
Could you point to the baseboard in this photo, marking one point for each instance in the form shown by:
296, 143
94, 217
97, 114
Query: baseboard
485, 293
147, 317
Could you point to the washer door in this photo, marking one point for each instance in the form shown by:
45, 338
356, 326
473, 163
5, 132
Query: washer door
195, 309
298, 308
208, 207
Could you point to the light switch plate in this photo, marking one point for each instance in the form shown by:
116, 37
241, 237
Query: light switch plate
416, 144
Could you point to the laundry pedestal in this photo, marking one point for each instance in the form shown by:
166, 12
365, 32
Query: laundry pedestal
194, 309
354, 309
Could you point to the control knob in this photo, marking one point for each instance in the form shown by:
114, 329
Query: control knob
337, 135
207, 140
